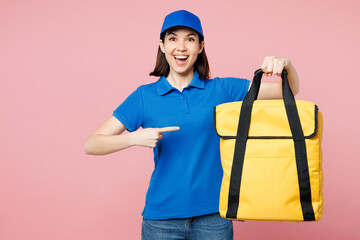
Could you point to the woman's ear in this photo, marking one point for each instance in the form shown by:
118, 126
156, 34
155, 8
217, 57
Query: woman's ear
161, 44
202, 44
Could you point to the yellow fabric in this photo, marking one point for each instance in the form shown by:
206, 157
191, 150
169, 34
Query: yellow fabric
269, 188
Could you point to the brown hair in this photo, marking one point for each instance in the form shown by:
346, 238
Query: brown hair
162, 67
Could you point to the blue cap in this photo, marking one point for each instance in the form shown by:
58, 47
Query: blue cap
182, 18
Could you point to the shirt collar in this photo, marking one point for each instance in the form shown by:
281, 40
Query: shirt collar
163, 86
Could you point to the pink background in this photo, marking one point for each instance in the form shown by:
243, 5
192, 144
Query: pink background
66, 65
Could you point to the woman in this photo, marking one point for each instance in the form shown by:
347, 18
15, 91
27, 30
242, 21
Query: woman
176, 117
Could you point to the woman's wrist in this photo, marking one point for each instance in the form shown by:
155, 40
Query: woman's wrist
131, 138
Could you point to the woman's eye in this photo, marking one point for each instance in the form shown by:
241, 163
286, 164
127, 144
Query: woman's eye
172, 39
191, 39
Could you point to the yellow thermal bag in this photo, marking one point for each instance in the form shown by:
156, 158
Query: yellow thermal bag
271, 157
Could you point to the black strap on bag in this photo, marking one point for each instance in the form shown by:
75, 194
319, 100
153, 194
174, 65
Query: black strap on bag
299, 145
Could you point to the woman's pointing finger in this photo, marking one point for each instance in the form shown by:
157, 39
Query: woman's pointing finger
168, 129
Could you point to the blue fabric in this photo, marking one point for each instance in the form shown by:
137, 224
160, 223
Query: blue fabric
187, 176
182, 18
209, 227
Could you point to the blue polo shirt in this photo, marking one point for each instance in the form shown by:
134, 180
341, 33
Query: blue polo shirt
187, 176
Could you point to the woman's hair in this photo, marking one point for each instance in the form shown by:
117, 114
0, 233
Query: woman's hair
162, 67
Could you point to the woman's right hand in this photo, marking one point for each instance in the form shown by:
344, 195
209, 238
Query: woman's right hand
148, 137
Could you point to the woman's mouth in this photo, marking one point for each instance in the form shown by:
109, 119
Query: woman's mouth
180, 59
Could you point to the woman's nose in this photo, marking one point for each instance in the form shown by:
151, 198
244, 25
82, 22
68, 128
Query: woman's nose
181, 45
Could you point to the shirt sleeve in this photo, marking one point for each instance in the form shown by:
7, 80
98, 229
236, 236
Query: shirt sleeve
234, 88
130, 112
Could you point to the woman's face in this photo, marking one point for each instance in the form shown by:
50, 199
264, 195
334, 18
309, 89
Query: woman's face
181, 48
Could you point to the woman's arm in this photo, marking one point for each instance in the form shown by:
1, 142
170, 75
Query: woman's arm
109, 137
275, 65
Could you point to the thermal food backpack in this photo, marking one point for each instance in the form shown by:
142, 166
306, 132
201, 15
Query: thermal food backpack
271, 157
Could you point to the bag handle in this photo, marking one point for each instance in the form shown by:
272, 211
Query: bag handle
299, 145
254, 89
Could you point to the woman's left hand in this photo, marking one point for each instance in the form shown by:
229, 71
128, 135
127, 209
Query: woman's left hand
275, 65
